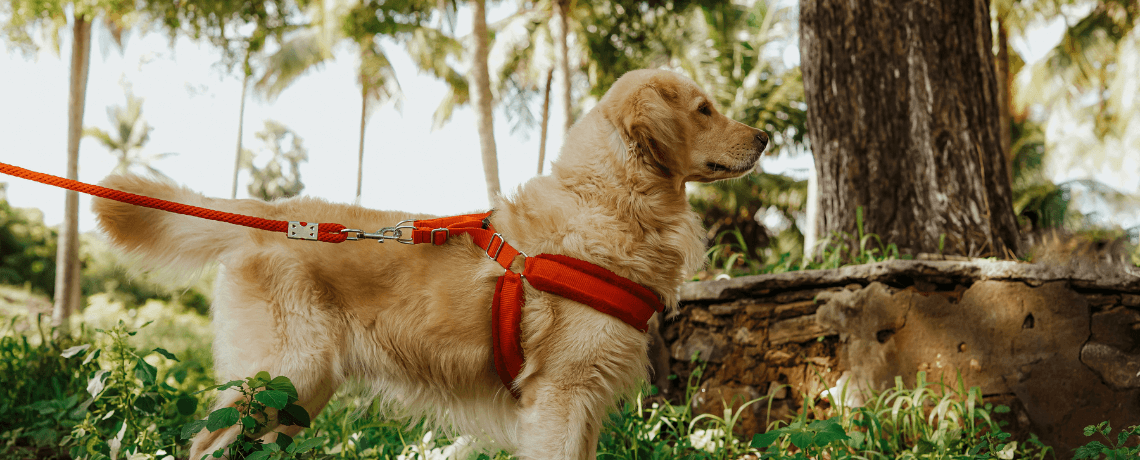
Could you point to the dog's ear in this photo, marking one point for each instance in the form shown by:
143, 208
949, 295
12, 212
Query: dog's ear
649, 125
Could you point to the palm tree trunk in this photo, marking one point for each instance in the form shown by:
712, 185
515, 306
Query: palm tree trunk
67, 255
482, 83
241, 125
545, 120
360, 156
564, 47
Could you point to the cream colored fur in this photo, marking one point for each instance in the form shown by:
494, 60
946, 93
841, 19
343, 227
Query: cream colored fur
414, 321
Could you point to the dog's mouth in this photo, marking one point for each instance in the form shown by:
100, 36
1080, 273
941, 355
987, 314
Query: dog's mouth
717, 167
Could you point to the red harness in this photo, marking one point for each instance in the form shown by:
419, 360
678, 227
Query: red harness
565, 276
574, 279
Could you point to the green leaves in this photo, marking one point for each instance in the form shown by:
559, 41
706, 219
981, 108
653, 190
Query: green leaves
819, 433
272, 398
222, 418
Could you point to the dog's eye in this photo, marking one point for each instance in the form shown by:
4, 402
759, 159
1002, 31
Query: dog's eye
705, 109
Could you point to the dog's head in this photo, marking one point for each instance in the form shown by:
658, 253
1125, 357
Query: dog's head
670, 125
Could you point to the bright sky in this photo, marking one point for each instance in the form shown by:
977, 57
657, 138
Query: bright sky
193, 107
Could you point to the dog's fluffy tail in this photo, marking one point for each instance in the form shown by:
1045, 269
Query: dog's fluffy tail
166, 239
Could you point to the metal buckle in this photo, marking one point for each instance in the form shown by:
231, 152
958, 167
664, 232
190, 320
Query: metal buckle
446, 233
502, 242
302, 230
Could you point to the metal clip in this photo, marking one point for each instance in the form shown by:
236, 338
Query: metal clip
446, 234
302, 230
386, 233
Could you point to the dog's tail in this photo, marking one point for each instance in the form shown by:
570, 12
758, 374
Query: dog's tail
166, 239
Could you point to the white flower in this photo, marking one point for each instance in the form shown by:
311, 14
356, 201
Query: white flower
703, 439
1007, 453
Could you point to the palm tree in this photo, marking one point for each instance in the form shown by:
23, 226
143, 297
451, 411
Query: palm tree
130, 133
308, 47
281, 175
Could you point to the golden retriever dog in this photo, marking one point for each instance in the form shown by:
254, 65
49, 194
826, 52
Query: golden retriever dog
414, 321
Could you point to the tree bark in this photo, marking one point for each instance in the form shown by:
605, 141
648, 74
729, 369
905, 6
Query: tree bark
903, 120
545, 121
482, 95
241, 125
564, 61
67, 255
1005, 99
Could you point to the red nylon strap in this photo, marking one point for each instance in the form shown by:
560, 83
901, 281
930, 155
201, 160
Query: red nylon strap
574, 279
506, 310
432, 231
326, 232
586, 283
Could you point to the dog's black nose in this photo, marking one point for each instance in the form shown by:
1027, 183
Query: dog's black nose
761, 140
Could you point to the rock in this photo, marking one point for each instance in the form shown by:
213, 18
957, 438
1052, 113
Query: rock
712, 347
724, 309
796, 330
700, 315
1118, 369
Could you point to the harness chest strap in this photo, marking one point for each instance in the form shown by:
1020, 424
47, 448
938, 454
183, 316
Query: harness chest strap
565, 276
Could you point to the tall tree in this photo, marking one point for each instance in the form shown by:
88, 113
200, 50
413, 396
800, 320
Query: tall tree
902, 115
23, 17
481, 81
220, 23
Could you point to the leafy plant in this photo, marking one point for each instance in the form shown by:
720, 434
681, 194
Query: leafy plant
130, 410
254, 417
1118, 450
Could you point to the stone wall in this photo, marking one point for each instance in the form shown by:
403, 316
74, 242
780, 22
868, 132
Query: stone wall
1059, 345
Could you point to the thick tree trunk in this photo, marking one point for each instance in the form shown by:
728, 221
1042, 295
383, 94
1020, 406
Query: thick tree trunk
564, 58
903, 121
481, 80
241, 125
67, 255
545, 121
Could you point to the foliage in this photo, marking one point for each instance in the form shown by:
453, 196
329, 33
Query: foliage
1124, 445
253, 415
39, 389
130, 410
281, 175
27, 248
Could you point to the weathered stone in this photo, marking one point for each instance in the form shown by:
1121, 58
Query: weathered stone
797, 330
1120, 279
1117, 328
1118, 369
725, 309
1130, 300
1101, 300
796, 309
747, 337
700, 315
777, 390
777, 357
760, 310
714, 399
712, 347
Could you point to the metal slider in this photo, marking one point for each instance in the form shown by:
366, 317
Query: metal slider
502, 243
302, 230
446, 233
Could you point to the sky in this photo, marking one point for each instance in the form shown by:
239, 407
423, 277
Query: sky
192, 103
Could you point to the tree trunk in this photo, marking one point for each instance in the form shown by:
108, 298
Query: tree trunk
564, 48
360, 155
241, 125
903, 121
1005, 99
67, 255
545, 121
482, 95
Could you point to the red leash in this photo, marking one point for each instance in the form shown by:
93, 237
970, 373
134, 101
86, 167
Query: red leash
326, 232
565, 276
